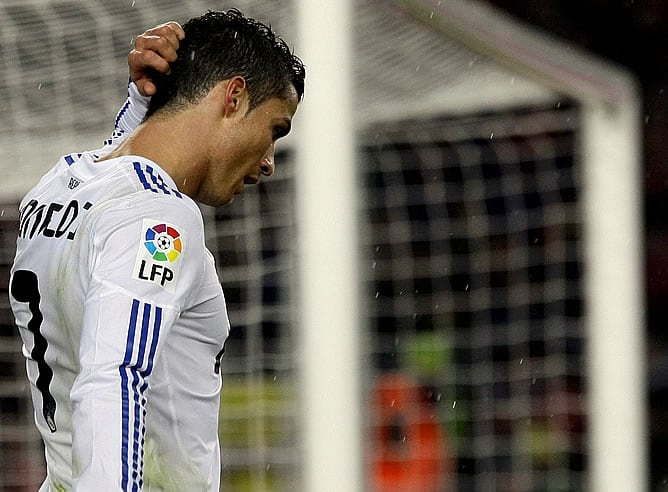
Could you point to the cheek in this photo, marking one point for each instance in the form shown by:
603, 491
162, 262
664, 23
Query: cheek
260, 147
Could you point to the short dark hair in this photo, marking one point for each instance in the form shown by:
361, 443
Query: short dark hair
219, 46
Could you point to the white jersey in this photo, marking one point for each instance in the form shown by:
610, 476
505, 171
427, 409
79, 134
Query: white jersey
123, 322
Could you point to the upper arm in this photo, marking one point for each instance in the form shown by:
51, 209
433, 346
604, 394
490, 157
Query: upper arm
134, 298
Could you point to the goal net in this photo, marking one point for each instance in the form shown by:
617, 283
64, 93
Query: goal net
483, 313
474, 268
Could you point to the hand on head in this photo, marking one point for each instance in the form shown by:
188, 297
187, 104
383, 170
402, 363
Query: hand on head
153, 51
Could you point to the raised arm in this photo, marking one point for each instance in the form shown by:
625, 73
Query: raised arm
153, 51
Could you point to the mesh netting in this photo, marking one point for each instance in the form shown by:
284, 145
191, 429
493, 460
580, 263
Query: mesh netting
475, 298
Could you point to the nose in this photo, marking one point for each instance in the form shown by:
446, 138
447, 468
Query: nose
267, 163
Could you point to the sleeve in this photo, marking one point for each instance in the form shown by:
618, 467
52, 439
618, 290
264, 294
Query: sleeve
129, 117
144, 266
133, 111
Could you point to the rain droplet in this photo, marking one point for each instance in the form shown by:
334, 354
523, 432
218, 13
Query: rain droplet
454, 404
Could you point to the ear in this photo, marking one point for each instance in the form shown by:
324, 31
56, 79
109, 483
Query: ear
236, 96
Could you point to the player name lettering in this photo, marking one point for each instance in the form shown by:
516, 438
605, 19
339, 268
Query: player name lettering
155, 272
53, 220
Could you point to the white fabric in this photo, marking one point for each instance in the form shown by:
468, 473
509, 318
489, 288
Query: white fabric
123, 321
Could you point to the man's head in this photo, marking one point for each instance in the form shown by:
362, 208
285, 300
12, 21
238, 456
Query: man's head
216, 117
219, 46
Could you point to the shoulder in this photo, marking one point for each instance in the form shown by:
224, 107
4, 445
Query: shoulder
152, 243
136, 212
152, 179
142, 196
136, 186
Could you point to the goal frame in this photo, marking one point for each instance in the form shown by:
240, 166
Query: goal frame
610, 147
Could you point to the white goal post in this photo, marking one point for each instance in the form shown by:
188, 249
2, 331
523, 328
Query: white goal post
328, 288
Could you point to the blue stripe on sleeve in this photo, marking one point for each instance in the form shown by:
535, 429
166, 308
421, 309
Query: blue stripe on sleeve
157, 322
142, 178
152, 180
138, 394
129, 346
154, 342
134, 380
121, 113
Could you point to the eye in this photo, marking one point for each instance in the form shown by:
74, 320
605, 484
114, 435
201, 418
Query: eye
280, 131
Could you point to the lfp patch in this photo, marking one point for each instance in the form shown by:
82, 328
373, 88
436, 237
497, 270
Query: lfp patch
159, 256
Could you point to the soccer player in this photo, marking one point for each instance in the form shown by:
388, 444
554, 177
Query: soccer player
115, 295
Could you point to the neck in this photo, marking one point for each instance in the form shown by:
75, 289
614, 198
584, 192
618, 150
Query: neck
174, 143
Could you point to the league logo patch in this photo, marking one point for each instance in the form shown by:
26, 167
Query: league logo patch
159, 256
163, 242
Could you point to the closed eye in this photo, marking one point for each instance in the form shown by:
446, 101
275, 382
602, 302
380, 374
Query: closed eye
281, 130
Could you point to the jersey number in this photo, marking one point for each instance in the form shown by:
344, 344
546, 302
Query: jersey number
25, 289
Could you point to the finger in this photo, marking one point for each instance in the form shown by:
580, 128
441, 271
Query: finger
171, 31
176, 27
145, 86
140, 61
166, 35
154, 50
157, 44
171, 25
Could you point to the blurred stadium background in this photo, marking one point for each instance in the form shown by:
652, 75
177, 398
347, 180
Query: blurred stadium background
472, 256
